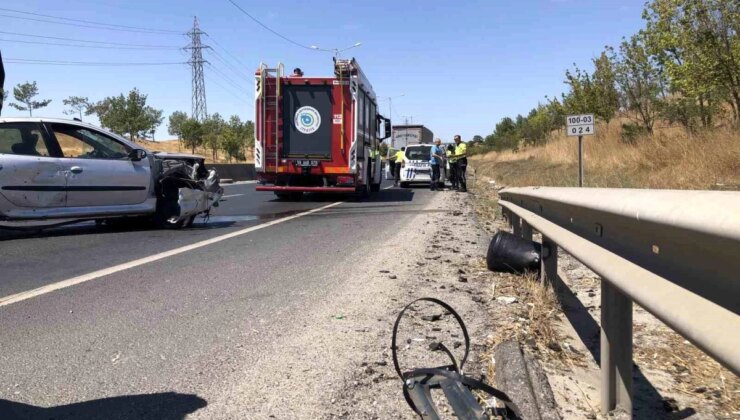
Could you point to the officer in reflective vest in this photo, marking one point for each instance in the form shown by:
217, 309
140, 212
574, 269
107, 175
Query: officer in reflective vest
399, 161
461, 158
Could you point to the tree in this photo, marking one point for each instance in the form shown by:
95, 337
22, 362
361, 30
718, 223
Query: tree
174, 127
581, 97
127, 114
212, 129
605, 95
696, 44
639, 80
24, 93
232, 138
192, 133
175, 123
77, 104
477, 139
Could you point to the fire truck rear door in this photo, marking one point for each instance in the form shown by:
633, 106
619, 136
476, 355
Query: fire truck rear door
307, 122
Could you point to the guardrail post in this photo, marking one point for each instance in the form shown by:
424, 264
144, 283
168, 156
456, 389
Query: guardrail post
516, 224
506, 214
549, 262
526, 230
616, 349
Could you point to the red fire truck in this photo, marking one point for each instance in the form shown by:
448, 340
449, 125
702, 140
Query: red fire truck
317, 134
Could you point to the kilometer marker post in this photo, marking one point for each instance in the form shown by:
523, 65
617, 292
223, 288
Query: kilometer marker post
580, 125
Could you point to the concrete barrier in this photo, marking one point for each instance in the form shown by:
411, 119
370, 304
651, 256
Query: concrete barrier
234, 171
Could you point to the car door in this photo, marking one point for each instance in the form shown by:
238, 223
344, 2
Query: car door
99, 170
30, 175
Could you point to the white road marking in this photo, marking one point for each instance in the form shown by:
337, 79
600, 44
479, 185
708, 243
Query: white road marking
232, 195
19, 297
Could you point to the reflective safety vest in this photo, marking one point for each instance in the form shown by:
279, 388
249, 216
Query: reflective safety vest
399, 156
461, 149
449, 154
373, 153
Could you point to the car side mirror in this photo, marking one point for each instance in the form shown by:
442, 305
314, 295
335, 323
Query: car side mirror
137, 155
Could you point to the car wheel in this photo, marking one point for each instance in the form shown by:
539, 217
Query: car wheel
404, 184
166, 215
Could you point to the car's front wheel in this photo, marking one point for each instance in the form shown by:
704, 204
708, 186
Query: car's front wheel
167, 214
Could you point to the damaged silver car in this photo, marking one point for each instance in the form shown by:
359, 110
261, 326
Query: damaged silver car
62, 169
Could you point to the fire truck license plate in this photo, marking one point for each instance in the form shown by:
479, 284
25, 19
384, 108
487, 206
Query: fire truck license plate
309, 163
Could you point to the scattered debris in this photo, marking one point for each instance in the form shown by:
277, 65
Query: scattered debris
506, 299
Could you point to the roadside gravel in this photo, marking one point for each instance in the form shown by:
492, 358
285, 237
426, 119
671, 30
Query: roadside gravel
337, 362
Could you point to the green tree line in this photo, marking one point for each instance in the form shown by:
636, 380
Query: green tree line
683, 67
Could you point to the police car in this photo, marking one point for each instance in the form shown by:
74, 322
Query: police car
416, 167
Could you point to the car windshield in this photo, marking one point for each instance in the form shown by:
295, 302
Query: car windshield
418, 152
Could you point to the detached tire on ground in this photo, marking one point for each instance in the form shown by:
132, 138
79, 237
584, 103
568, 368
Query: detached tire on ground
509, 253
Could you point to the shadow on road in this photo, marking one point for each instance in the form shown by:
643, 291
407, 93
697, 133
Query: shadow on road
166, 405
647, 402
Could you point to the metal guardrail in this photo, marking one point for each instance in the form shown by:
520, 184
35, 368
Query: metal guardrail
675, 253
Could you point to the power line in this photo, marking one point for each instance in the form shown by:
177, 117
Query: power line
268, 28
225, 50
227, 78
86, 46
84, 63
77, 25
230, 91
91, 42
91, 22
231, 67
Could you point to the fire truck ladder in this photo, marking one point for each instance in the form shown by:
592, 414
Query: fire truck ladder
268, 73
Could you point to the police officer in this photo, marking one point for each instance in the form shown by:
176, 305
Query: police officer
398, 158
436, 158
461, 158
452, 175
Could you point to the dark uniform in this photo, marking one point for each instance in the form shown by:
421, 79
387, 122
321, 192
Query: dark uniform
452, 175
461, 166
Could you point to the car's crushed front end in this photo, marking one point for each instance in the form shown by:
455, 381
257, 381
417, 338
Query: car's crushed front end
185, 188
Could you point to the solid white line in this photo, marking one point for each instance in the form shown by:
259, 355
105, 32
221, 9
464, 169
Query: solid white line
19, 297
232, 195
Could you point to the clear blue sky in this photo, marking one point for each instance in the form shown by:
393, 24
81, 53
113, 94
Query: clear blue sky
462, 65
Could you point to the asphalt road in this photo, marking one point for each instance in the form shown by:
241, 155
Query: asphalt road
157, 339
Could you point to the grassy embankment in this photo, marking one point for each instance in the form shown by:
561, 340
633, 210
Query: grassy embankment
670, 158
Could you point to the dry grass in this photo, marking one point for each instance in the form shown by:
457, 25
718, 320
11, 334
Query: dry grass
670, 158
695, 373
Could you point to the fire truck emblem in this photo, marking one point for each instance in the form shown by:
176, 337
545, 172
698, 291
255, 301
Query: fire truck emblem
307, 119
